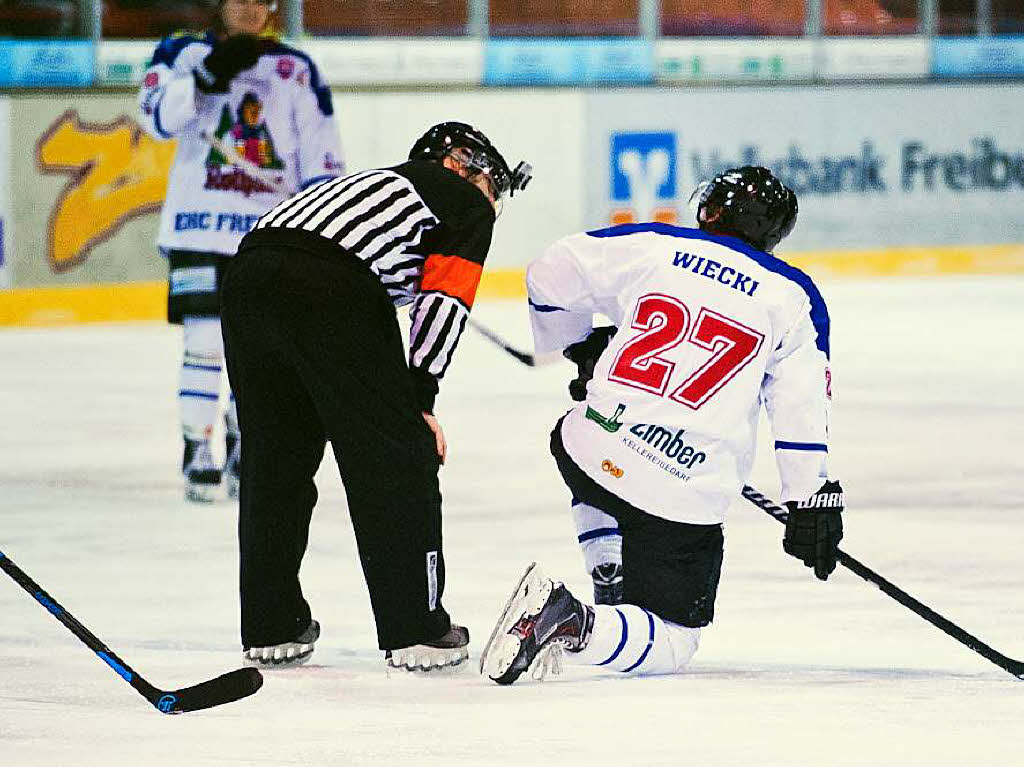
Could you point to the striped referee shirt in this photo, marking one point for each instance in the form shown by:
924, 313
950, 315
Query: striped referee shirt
423, 230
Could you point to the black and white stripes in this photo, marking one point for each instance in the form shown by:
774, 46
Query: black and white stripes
376, 215
437, 324
430, 254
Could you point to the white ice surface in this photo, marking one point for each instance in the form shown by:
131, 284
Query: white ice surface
927, 436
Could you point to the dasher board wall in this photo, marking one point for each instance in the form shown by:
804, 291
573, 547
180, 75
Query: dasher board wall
908, 178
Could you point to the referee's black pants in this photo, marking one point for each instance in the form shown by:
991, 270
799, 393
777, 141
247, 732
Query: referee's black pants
314, 353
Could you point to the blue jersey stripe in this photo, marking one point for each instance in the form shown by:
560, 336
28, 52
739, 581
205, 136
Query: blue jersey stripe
650, 644
544, 307
170, 47
622, 642
193, 366
819, 312
813, 446
197, 394
156, 120
600, 532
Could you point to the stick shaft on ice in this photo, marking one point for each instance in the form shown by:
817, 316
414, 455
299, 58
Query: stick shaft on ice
890, 589
214, 692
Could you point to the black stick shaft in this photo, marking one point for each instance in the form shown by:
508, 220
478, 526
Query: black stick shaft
524, 357
226, 688
945, 625
73, 625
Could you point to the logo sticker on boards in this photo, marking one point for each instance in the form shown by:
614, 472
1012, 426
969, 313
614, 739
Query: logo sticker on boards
643, 177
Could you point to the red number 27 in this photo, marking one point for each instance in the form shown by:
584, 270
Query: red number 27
663, 322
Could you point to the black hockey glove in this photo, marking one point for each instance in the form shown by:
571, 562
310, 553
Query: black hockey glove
815, 527
229, 57
585, 354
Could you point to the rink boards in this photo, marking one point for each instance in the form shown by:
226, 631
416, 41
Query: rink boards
918, 179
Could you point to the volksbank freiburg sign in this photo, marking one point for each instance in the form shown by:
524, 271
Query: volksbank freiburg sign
872, 165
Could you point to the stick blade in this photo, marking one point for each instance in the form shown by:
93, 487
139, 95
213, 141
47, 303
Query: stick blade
227, 688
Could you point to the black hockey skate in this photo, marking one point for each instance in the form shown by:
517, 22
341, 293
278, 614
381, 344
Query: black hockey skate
202, 477
444, 652
285, 654
607, 584
539, 620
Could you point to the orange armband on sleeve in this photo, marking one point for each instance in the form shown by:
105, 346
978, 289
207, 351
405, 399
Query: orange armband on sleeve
452, 275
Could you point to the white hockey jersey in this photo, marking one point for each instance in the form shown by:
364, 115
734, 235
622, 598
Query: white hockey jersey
709, 328
277, 115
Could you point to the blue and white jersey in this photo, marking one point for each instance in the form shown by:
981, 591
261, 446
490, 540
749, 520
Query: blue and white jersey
709, 328
277, 115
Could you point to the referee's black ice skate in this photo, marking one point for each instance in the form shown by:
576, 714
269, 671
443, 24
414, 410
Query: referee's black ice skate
444, 652
202, 477
285, 654
540, 619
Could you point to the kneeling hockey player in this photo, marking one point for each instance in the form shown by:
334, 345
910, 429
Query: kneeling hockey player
710, 325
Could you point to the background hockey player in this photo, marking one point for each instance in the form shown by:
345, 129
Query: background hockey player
251, 118
314, 353
709, 326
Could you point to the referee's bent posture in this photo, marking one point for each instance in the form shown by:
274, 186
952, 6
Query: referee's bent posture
314, 353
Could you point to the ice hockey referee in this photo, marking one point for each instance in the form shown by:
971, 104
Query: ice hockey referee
314, 353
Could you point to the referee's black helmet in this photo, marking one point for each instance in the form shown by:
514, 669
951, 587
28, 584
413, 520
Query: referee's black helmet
477, 152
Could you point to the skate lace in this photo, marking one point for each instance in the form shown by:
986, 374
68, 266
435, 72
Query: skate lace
549, 660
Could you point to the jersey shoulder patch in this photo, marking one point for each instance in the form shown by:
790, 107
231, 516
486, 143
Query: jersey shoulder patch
315, 83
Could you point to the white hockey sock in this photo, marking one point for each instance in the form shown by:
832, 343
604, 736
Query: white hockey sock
199, 389
628, 638
598, 534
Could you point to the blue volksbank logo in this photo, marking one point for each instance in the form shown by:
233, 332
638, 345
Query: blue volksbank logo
643, 177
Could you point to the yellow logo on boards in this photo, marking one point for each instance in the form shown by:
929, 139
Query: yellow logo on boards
117, 173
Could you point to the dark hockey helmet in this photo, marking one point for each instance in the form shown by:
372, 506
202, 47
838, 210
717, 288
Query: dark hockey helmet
749, 203
474, 150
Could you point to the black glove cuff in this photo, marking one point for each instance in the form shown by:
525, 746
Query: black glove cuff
591, 347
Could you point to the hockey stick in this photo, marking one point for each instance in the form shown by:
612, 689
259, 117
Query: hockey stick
494, 338
945, 625
226, 688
